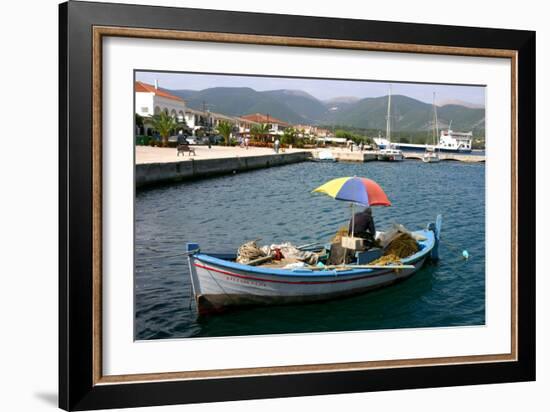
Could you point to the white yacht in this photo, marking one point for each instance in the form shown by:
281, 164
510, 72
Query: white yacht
431, 155
389, 152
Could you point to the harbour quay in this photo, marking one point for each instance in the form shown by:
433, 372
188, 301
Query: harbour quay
162, 165
156, 165
459, 157
345, 155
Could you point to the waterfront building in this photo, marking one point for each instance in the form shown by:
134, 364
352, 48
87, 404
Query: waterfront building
197, 119
276, 126
305, 130
151, 100
217, 118
245, 125
337, 141
323, 133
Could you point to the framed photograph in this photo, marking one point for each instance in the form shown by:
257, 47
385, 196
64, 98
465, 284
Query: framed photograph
256, 206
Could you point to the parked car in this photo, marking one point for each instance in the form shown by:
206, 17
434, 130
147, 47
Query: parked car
216, 139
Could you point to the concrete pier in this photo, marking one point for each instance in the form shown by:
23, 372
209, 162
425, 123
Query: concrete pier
161, 165
148, 174
354, 156
344, 155
467, 158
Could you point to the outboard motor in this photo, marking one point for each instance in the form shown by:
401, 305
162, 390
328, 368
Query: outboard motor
192, 248
436, 229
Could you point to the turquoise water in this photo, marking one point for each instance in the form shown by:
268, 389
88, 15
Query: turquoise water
277, 205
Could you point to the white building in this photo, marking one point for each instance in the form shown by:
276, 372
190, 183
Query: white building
245, 125
197, 119
276, 126
151, 100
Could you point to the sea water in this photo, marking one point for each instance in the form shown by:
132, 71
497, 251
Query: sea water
277, 205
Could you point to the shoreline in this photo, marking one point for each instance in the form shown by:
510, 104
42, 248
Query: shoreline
156, 166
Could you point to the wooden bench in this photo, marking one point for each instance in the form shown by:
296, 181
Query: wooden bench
182, 148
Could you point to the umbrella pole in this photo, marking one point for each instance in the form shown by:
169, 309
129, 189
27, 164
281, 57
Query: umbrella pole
352, 219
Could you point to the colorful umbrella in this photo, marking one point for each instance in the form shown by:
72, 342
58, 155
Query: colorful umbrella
355, 189
358, 190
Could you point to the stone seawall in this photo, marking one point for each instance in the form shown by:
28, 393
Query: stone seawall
148, 174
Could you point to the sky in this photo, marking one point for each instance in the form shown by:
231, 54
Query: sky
321, 89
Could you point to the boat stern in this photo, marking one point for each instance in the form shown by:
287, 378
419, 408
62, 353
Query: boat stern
191, 249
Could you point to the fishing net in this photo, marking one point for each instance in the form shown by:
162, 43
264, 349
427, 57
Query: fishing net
249, 251
402, 246
386, 260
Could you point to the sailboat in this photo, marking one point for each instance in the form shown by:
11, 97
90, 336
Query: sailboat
390, 153
431, 155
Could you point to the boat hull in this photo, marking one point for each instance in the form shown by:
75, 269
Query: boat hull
431, 159
221, 289
390, 157
219, 283
421, 148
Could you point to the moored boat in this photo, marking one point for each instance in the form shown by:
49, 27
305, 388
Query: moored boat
390, 153
431, 155
324, 156
220, 282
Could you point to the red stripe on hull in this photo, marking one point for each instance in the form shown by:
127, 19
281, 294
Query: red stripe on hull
303, 282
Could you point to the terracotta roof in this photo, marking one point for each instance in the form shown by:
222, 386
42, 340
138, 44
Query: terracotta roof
262, 118
148, 88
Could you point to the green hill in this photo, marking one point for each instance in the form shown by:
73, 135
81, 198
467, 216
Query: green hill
303, 104
407, 114
237, 101
295, 106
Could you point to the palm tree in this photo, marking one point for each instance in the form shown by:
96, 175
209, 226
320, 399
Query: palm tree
289, 135
260, 130
139, 123
164, 125
225, 129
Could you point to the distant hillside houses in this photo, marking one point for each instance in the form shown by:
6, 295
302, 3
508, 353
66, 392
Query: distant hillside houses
275, 126
151, 100
306, 130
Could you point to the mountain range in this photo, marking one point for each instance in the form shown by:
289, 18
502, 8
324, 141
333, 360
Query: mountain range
299, 107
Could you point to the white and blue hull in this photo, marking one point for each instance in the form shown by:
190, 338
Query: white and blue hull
421, 148
219, 282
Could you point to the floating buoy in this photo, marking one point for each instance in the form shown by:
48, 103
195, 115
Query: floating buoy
465, 254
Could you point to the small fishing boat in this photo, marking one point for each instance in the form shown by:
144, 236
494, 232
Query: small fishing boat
220, 282
390, 155
324, 156
430, 155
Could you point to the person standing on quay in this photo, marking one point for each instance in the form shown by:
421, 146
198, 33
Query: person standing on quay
276, 145
246, 142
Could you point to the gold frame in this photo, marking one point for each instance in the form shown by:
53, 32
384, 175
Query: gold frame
102, 31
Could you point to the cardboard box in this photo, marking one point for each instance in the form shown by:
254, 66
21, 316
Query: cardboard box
353, 243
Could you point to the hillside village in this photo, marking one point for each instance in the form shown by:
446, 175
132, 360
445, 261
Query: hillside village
265, 115
151, 100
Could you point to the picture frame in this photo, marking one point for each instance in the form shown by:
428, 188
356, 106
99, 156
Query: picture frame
82, 28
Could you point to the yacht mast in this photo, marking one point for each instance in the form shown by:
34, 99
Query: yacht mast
388, 127
435, 129
436, 126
